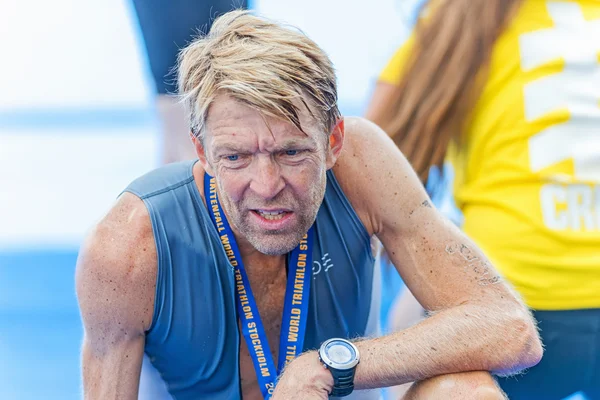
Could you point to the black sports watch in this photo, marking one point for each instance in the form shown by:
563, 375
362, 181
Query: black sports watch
341, 358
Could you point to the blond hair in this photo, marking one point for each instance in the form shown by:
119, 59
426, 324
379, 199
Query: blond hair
260, 63
444, 77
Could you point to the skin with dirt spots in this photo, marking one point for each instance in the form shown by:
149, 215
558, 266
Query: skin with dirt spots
271, 179
275, 170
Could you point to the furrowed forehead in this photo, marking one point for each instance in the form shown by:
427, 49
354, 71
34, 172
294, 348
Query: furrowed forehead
265, 142
237, 126
229, 106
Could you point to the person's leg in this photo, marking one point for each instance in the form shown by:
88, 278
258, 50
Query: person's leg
152, 386
592, 393
176, 142
167, 26
463, 386
565, 368
592, 390
405, 312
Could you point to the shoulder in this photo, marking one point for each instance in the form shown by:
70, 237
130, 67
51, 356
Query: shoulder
374, 174
362, 151
117, 268
168, 176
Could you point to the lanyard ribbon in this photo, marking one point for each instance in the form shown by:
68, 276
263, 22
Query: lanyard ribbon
295, 309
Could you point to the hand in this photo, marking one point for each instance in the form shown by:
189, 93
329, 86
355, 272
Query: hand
305, 378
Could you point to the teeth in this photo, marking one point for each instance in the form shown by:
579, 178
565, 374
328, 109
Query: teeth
271, 215
270, 212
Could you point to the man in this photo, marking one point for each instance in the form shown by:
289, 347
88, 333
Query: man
191, 264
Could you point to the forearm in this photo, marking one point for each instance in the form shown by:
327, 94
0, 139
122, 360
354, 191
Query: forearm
469, 337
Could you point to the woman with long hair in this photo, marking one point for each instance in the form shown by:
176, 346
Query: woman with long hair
501, 99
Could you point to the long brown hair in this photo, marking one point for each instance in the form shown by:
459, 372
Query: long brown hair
443, 77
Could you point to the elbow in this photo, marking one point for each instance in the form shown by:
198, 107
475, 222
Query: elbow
531, 351
524, 342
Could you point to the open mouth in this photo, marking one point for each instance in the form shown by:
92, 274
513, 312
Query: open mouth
274, 219
271, 215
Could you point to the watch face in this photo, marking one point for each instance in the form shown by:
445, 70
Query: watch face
339, 354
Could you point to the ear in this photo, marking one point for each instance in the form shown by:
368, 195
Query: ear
201, 153
336, 143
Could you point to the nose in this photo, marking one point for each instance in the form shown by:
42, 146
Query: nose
267, 181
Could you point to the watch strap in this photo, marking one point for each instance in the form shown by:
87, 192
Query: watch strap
343, 382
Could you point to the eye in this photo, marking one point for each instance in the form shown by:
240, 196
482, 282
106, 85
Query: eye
291, 152
233, 157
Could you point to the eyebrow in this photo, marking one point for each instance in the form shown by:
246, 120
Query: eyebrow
293, 143
229, 148
286, 145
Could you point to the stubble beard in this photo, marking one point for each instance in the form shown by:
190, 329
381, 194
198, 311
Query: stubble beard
280, 242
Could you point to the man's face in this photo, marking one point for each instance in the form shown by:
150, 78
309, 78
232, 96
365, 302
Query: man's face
271, 176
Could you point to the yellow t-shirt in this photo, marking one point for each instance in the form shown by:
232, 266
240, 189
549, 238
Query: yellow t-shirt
527, 174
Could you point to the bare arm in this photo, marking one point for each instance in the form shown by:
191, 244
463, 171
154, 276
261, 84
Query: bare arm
477, 324
382, 95
115, 281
